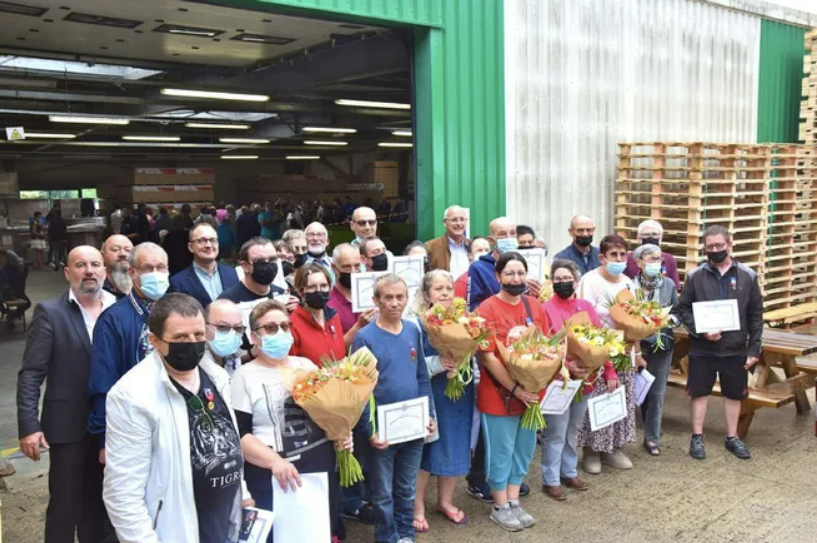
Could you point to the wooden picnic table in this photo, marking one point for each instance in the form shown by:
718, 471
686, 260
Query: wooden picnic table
766, 389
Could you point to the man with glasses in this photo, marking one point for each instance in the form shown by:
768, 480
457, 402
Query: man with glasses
205, 279
651, 232
581, 251
726, 355
121, 333
450, 251
363, 224
225, 332
317, 242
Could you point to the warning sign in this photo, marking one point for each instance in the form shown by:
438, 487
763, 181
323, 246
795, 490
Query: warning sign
15, 133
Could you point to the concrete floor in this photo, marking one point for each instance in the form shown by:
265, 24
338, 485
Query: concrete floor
769, 499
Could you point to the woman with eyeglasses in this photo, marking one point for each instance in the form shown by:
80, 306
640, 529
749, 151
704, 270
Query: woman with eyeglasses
277, 437
316, 328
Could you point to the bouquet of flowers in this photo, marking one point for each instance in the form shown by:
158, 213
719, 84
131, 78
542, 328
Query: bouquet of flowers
593, 346
456, 333
334, 397
638, 317
546, 292
534, 360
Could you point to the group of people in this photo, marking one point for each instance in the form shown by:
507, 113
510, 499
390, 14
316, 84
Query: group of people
168, 402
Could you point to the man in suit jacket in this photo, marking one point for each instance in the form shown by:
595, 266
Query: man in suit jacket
205, 279
58, 347
450, 251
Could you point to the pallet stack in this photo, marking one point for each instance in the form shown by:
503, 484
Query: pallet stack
808, 105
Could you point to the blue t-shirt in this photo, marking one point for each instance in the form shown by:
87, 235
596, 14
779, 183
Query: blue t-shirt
272, 230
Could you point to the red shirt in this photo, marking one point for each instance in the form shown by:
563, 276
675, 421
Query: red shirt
461, 286
343, 308
313, 341
501, 317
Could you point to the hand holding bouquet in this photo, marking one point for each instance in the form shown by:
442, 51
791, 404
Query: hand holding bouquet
593, 346
334, 397
638, 317
456, 333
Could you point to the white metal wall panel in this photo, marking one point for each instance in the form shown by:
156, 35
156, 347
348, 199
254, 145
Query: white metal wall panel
583, 75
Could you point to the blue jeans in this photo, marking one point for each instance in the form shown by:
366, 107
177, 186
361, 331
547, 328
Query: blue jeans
393, 475
559, 455
658, 363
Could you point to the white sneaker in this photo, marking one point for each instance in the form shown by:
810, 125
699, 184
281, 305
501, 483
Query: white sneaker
524, 518
591, 462
506, 519
617, 460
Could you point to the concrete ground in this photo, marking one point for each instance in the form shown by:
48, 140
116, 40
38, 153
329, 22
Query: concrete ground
769, 499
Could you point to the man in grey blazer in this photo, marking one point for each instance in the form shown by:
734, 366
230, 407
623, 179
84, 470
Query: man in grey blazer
58, 347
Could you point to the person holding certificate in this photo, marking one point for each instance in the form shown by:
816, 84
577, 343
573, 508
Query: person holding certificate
599, 287
508, 446
722, 307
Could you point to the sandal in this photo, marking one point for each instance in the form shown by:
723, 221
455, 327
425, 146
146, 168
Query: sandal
452, 516
653, 450
420, 525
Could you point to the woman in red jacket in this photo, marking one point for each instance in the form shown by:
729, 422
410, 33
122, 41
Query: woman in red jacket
316, 328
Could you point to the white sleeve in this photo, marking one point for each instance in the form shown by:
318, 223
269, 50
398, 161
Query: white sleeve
239, 395
434, 365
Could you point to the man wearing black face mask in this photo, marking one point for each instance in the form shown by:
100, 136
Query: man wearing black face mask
175, 398
345, 262
581, 251
727, 356
374, 255
651, 232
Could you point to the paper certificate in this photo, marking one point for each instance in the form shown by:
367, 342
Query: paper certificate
403, 421
607, 409
717, 315
302, 515
411, 269
642, 381
363, 290
557, 398
536, 263
256, 525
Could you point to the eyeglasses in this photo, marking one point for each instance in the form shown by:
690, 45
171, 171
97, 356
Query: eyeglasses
161, 268
197, 406
366, 223
224, 329
319, 235
201, 242
718, 247
272, 328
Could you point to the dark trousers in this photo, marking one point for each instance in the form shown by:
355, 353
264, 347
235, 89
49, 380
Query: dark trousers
75, 488
59, 252
476, 476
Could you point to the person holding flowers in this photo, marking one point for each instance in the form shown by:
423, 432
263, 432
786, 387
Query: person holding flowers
316, 328
559, 444
600, 287
278, 438
500, 399
656, 349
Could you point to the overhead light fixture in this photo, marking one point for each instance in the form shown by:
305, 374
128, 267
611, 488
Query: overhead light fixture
261, 38
243, 140
96, 69
151, 138
326, 142
190, 93
394, 144
188, 31
19, 9
369, 103
402, 133
100, 20
239, 157
218, 126
87, 120
303, 157
50, 136
329, 130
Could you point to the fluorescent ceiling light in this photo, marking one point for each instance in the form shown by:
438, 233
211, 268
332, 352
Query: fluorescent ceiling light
111, 71
188, 30
151, 138
190, 93
239, 157
219, 126
393, 144
262, 38
326, 142
368, 103
218, 117
50, 136
87, 120
402, 133
243, 140
19, 9
329, 130
303, 157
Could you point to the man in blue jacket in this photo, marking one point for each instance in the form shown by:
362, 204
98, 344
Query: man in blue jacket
205, 279
121, 333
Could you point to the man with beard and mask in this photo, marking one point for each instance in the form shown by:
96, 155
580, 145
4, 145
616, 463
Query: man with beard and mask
115, 252
727, 356
57, 350
205, 279
374, 255
651, 232
121, 334
225, 331
317, 241
345, 262
581, 251
175, 466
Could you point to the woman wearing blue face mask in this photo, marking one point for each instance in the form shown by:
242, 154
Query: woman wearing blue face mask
600, 287
278, 438
659, 289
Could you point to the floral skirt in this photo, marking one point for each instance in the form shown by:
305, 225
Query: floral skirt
616, 435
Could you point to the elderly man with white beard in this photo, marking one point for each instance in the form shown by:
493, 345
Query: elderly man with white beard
115, 253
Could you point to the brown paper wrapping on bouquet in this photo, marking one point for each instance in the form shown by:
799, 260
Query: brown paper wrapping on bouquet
452, 340
533, 375
634, 328
592, 357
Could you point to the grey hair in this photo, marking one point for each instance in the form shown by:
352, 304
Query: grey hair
650, 223
293, 233
565, 264
643, 251
144, 247
339, 249
388, 280
420, 302
452, 208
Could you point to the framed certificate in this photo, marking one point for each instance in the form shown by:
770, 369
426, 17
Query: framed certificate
536, 263
363, 290
607, 409
403, 421
558, 398
411, 269
716, 316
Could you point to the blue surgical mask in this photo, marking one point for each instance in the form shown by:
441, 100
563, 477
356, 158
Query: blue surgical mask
616, 268
506, 245
277, 346
154, 284
225, 343
653, 269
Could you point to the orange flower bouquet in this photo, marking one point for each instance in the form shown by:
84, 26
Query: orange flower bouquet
593, 346
334, 396
638, 317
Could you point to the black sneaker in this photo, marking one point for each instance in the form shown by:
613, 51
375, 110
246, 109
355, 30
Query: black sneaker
481, 492
696, 447
524, 490
736, 447
364, 515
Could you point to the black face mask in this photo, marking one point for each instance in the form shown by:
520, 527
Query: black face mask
184, 356
651, 241
288, 268
345, 279
716, 257
380, 262
426, 265
316, 300
584, 241
564, 290
515, 290
263, 274
300, 260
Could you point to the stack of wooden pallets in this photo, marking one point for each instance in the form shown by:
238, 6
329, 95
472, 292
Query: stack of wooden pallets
808, 106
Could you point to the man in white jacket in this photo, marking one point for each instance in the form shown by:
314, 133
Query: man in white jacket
174, 471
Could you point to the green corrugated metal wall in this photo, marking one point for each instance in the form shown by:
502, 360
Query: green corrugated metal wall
781, 75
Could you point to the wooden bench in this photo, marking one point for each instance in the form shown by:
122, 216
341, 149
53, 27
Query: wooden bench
789, 315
